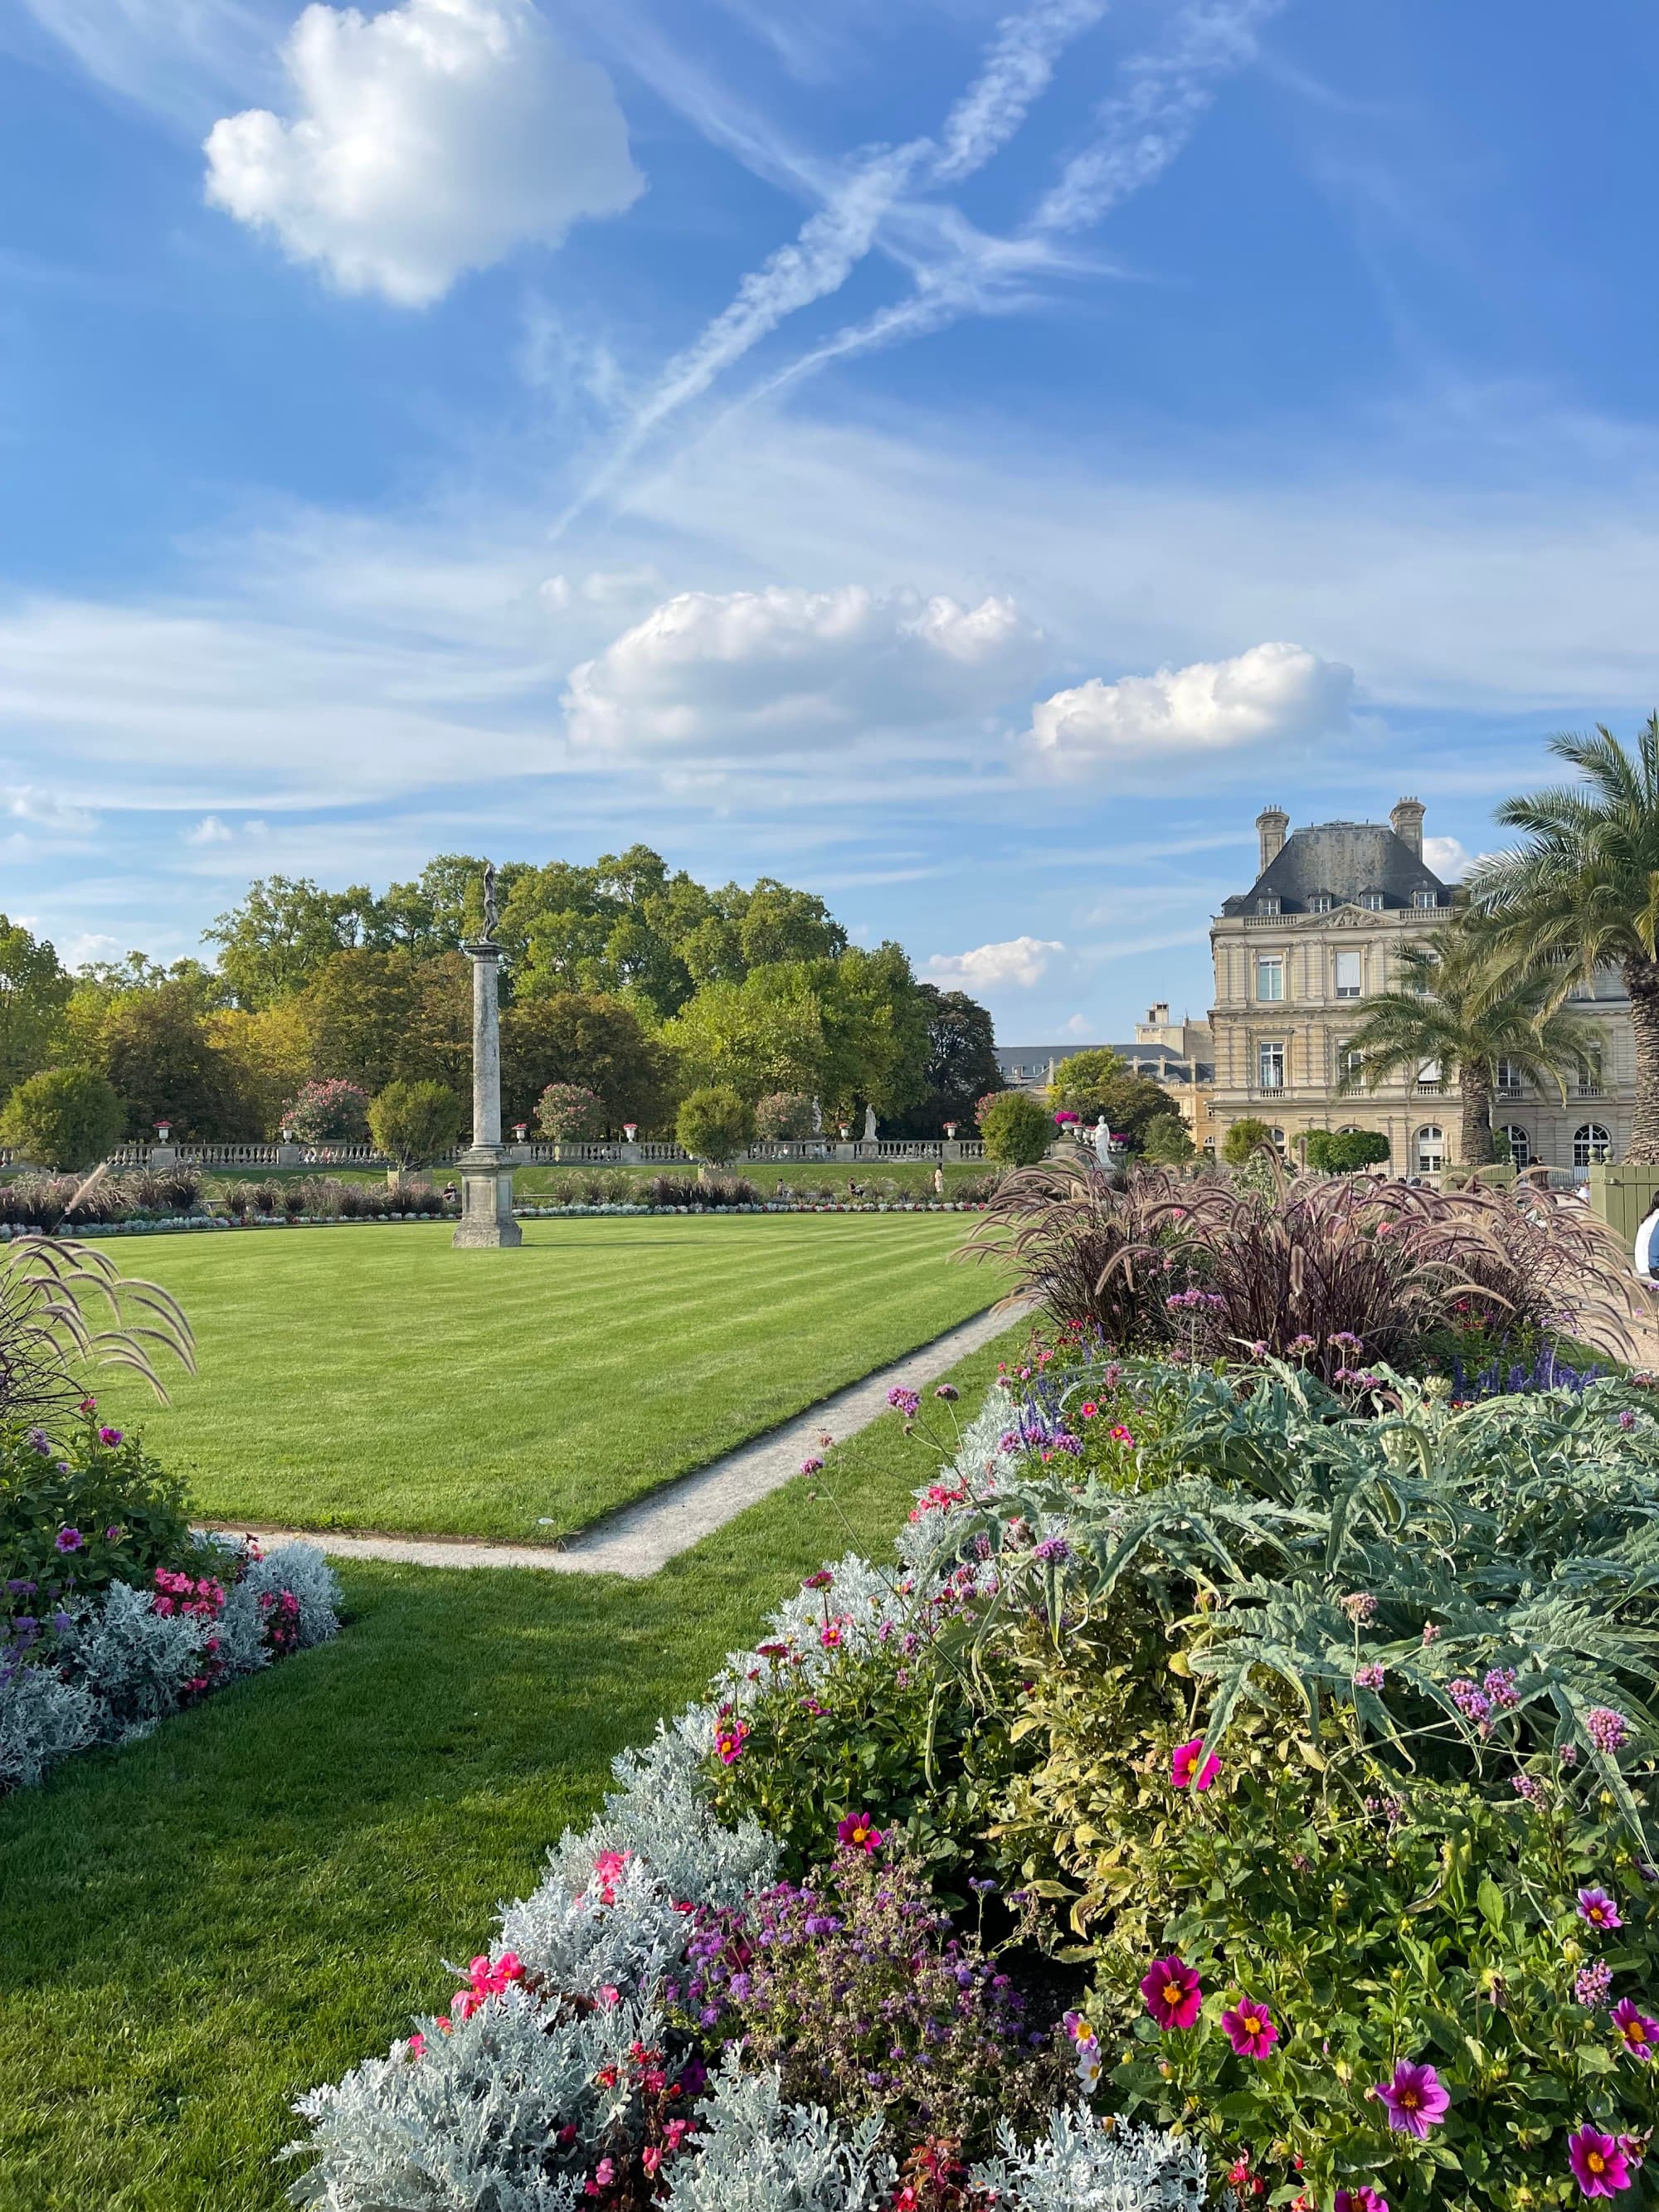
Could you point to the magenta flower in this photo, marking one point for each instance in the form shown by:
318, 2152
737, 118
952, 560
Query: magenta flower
858, 1832
811, 1465
1413, 2099
109, 1436
1174, 1996
1641, 2034
1607, 1729
1185, 1773
729, 1741
1362, 2199
1598, 1909
1600, 2164
1370, 1676
902, 1400
1248, 2026
822, 1580
69, 1539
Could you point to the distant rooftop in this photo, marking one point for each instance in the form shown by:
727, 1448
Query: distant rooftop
1333, 863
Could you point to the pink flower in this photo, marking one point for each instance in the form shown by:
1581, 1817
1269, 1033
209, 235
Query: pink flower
109, 1436
651, 2157
416, 2044
610, 1997
465, 2003
1600, 2163
729, 1741
1362, 2199
1413, 2099
1174, 1996
822, 1580
858, 1832
1185, 1773
1640, 2034
1248, 2026
68, 1540
1598, 1910
1088, 1409
811, 1465
831, 1634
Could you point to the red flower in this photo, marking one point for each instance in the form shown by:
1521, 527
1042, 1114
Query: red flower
1171, 1988
858, 1832
1185, 1773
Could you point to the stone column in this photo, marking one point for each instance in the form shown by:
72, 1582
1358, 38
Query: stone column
485, 1168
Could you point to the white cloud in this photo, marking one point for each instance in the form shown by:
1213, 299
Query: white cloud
1079, 1025
1019, 962
81, 952
426, 140
211, 830
23, 802
612, 588
1272, 693
1448, 858
744, 671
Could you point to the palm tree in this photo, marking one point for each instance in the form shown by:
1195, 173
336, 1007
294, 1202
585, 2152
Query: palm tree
1582, 891
1455, 1008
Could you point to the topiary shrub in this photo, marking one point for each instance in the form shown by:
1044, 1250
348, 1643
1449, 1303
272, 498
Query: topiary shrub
413, 1123
784, 1117
1345, 1152
715, 1124
334, 1112
568, 1113
1016, 1129
1244, 1140
64, 1118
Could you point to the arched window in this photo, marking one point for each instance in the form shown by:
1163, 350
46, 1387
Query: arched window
1519, 1142
1590, 1143
1429, 1148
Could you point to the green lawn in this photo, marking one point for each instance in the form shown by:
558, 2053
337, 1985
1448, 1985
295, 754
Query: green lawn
375, 1378
194, 1930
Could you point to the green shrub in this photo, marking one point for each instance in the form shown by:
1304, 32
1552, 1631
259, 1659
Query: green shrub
413, 1123
81, 1507
64, 1118
1167, 1141
1345, 1152
1016, 1129
715, 1124
1244, 1138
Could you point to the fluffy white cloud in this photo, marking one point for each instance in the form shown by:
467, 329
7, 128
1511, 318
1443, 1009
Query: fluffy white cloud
1020, 961
211, 830
426, 140
747, 672
1271, 694
1448, 858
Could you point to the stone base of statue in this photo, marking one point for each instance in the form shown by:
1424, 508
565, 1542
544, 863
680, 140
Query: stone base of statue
486, 1176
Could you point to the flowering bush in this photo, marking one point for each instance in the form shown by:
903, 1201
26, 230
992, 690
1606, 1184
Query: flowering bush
784, 1117
330, 1112
567, 1112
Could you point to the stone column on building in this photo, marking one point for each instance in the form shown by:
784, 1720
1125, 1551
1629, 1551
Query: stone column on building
485, 1167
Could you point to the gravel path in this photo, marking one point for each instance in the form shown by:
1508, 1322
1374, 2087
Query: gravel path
642, 1538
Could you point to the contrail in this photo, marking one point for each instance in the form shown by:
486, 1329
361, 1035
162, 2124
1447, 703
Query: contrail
1017, 69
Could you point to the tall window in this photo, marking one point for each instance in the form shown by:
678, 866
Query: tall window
1430, 1148
1590, 1145
1270, 976
1350, 1064
1519, 1143
1589, 1073
1428, 1074
1509, 1075
1350, 975
1270, 1066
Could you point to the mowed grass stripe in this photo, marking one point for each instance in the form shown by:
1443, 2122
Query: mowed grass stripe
377, 1379
197, 1927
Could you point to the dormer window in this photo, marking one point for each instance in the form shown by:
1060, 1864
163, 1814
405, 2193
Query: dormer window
1320, 902
1268, 905
1371, 901
1421, 899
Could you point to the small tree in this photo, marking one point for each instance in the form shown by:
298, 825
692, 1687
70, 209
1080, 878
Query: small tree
568, 1113
335, 1112
1345, 1152
715, 1124
1244, 1140
1016, 1129
784, 1117
1165, 1139
413, 1123
64, 1118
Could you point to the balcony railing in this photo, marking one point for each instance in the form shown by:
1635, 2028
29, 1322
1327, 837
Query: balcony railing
1428, 1090
1586, 1091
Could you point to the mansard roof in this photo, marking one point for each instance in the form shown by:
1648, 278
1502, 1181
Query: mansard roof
1342, 861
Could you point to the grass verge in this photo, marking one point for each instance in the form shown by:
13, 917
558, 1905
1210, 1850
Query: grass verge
197, 1927
379, 1379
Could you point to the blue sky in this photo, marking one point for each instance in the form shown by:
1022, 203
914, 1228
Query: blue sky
964, 458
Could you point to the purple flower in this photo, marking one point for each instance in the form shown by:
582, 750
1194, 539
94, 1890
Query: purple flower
1248, 2026
37, 1440
1499, 1687
21, 1587
906, 1401
1640, 2034
1627, 1419
1528, 1786
1600, 2163
1413, 2099
1598, 1910
69, 1539
812, 1466
948, 1391
1592, 1986
62, 1622
1607, 1729
1370, 1676
109, 1436
1469, 1701
1051, 1550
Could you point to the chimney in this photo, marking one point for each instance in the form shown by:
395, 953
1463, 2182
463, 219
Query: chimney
1407, 824
1273, 825
1157, 1015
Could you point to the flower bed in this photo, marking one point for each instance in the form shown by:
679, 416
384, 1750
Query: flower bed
114, 1612
1275, 1771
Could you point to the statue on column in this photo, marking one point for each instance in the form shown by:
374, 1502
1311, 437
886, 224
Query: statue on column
490, 916
869, 1125
1103, 1143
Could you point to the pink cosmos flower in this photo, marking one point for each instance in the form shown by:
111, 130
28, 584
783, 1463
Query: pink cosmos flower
1598, 1910
1414, 2100
1173, 1994
830, 1635
1088, 1409
1640, 2034
416, 2044
109, 1436
1600, 2163
858, 1832
1362, 2199
1248, 2026
1185, 1773
729, 1742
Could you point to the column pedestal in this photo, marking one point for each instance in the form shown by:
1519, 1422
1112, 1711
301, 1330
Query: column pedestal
486, 1199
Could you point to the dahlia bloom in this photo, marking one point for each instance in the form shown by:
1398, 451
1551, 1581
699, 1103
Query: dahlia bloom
1413, 2099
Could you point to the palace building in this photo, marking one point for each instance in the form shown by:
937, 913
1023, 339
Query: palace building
1318, 932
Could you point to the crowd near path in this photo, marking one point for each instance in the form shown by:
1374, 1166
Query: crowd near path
642, 1538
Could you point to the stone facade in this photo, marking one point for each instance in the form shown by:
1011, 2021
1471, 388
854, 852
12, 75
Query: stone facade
1319, 931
